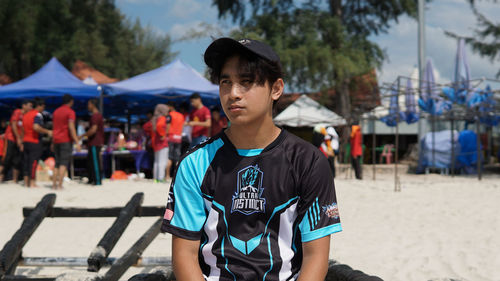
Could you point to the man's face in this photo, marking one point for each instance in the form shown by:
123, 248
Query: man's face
90, 106
27, 107
243, 100
195, 102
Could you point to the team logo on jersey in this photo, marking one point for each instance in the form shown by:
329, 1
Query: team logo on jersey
248, 197
331, 211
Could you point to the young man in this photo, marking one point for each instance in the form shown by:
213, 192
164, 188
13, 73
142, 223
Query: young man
32, 128
13, 155
254, 202
176, 120
200, 120
64, 135
95, 142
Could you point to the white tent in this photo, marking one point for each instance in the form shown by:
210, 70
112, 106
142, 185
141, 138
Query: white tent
306, 112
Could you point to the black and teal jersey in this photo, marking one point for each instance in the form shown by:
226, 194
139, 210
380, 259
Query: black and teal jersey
252, 209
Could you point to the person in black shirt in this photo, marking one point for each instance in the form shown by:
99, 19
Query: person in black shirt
253, 202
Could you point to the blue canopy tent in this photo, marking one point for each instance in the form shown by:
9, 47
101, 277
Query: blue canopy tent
50, 82
172, 82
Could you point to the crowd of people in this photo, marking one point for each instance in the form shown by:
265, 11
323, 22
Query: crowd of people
24, 144
27, 138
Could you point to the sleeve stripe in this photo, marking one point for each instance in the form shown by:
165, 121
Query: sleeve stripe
322, 232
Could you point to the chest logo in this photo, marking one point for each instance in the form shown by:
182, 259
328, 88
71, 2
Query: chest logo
248, 196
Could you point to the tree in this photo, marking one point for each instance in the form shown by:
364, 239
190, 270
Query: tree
322, 45
486, 37
93, 31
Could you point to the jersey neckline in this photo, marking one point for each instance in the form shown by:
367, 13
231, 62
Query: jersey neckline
252, 152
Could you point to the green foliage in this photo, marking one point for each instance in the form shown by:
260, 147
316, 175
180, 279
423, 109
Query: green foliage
93, 31
486, 38
321, 45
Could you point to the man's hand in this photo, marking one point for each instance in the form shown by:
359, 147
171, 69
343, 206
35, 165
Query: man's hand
49, 132
19, 142
78, 147
52, 147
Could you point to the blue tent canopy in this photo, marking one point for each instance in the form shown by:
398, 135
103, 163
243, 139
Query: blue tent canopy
172, 82
52, 80
174, 79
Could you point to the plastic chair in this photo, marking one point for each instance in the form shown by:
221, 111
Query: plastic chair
387, 153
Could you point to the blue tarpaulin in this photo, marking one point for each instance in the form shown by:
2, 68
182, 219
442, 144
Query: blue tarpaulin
172, 82
442, 150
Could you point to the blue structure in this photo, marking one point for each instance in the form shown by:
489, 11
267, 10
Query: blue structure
50, 82
175, 81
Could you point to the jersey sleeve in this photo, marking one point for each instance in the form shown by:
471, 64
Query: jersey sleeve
185, 214
71, 116
317, 210
38, 119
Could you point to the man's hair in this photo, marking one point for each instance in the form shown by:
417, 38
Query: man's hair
67, 98
95, 102
172, 104
26, 102
195, 96
215, 109
259, 69
38, 102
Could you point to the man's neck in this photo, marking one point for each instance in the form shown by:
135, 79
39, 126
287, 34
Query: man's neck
95, 111
199, 106
253, 137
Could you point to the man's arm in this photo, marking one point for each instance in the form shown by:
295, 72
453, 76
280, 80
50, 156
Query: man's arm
206, 123
90, 132
41, 130
17, 134
315, 259
185, 259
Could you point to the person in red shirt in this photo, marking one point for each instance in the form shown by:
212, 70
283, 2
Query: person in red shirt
218, 122
13, 156
174, 137
356, 151
159, 140
64, 135
32, 128
95, 136
200, 120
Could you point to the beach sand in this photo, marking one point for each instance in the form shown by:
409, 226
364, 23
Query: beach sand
437, 227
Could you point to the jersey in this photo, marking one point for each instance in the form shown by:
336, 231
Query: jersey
252, 209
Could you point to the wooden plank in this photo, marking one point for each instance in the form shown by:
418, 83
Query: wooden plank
13, 248
98, 256
82, 261
26, 278
69, 212
133, 254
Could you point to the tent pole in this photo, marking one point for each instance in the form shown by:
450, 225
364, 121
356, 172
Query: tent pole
374, 154
396, 179
421, 61
101, 100
478, 148
452, 144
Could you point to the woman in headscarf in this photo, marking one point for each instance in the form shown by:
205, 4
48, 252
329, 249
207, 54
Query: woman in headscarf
159, 141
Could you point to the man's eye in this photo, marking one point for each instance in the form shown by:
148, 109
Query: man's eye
246, 82
222, 82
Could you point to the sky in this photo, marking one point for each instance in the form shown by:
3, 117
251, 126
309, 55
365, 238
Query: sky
177, 17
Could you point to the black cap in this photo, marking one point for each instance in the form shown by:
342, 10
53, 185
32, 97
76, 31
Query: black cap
221, 46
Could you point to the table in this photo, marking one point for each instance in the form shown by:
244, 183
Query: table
140, 156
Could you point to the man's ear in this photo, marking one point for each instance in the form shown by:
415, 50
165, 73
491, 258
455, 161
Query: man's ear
277, 89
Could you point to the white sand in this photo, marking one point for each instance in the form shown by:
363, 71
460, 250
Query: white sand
437, 227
